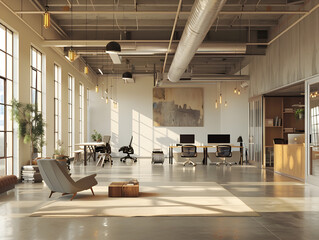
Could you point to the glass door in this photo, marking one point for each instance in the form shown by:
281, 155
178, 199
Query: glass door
312, 131
255, 131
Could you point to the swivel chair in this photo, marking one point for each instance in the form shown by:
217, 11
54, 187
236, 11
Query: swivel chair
128, 150
223, 152
104, 152
189, 151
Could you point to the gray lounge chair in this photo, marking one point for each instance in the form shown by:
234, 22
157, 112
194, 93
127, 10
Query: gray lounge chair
58, 179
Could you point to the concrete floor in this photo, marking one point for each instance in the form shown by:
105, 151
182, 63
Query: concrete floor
288, 209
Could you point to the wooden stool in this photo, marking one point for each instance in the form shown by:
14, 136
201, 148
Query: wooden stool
123, 189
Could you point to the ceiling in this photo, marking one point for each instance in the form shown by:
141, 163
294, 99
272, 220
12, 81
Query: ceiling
148, 23
297, 89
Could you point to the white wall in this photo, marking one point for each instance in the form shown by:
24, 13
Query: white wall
25, 38
133, 116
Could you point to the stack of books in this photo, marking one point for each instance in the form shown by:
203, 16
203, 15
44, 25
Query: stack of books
289, 110
31, 173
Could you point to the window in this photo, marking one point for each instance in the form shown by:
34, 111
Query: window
36, 78
57, 104
81, 111
6, 93
70, 115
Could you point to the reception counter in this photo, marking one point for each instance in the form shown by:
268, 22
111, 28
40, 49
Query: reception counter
289, 160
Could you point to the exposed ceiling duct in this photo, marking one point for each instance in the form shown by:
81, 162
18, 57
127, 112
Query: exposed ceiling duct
203, 15
161, 48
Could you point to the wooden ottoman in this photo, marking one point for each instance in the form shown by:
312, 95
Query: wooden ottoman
123, 189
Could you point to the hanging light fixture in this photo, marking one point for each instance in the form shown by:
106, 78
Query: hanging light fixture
226, 104
86, 69
216, 104
97, 87
106, 100
235, 90
113, 47
238, 92
46, 17
71, 54
220, 98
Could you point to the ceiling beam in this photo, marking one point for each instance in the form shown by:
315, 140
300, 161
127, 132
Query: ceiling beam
165, 13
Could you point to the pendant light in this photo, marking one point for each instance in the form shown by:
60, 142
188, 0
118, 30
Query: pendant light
216, 104
86, 68
220, 98
71, 52
46, 17
226, 104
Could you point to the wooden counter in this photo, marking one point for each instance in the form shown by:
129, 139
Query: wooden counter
289, 159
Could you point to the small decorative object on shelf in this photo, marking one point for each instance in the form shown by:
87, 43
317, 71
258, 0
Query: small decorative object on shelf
300, 113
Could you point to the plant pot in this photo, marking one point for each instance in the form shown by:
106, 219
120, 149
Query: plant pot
60, 157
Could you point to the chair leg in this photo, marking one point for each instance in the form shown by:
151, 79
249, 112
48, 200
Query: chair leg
73, 196
92, 191
51, 194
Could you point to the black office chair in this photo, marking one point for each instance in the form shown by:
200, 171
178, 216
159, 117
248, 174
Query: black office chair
104, 152
189, 151
279, 141
223, 152
128, 150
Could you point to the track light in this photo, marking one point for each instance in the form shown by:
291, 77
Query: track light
46, 18
100, 71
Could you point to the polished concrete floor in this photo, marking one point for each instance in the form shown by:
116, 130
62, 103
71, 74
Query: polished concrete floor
288, 209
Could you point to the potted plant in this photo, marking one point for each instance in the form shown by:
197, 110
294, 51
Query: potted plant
300, 113
59, 153
97, 137
31, 125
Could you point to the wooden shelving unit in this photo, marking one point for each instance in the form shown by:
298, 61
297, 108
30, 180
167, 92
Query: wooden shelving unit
274, 108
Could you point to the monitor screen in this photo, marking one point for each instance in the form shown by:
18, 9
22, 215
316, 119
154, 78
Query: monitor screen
187, 138
218, 138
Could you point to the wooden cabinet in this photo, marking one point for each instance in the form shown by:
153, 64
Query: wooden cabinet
279, 121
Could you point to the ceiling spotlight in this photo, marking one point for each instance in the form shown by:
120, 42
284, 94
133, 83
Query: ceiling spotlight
100, 71
113, 47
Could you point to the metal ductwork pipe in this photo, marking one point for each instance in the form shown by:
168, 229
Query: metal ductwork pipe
203, 15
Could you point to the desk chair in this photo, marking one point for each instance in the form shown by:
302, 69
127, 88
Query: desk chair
189, 151
104, 152
128, 150
223, 152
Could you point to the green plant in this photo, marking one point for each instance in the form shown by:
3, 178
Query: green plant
300, 113
96, 136
60, 150
31, 125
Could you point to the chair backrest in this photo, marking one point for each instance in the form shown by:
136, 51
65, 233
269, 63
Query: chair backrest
279, 141
106, 139
131, 142
189, 151
55, 175
223, 151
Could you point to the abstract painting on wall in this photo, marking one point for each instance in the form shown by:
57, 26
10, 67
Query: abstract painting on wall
178, 107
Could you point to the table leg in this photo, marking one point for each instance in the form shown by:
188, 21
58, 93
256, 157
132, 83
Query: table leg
85, 155
241, 161
170, 155
205, 156
94, 153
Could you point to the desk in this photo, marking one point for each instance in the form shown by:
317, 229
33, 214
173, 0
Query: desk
91, 146
171, 148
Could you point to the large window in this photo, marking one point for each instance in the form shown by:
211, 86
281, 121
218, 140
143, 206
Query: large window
57, 104
6, 92
36, 78
81, 110
70, 115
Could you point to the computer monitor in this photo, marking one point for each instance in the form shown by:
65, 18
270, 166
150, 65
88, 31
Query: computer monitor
187, 138
218, 138
296, 138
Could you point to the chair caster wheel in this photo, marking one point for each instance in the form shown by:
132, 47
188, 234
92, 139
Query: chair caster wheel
124, 161
135, 160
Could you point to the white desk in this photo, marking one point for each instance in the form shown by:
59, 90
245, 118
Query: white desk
91, 146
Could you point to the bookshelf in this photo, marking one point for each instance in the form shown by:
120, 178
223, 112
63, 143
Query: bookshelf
279, 121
